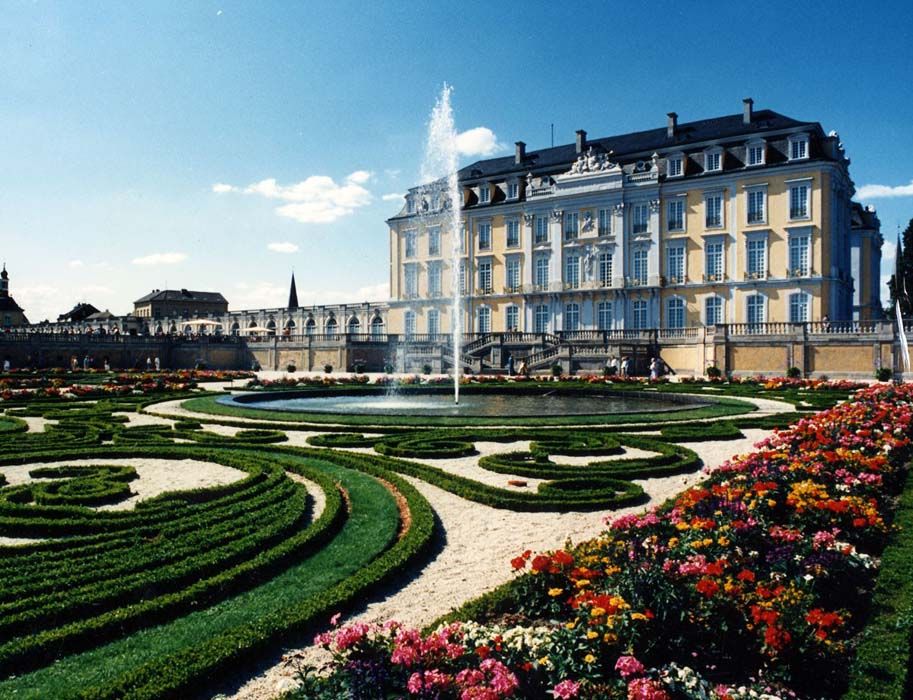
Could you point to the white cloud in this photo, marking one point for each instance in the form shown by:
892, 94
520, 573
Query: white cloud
888, 251
92, 289
259, 295
393, 196
392, 173
317, 200
160, 259
880, 191
360, 177
480, 141
75, 263
282, 247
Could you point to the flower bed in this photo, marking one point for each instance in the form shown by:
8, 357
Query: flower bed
755, 581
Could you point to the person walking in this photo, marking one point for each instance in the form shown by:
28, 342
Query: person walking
510, 365
654, 369
158, 364
148, 363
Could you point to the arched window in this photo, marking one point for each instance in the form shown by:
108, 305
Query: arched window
572, 317
377, 327
675, 313
158, 329
235, 328
409, 323
309, 327
173, 328
484, 319
290, 324
540, 319
604, 315
354, 326
331, 327
271, 326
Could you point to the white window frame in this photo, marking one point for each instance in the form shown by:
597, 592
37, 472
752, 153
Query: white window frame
679, 203
571, 225
640, 314
640, 266
791, 246
433, 322
434, 279
806, 302
678, 158
605, 316
409, 323
710, 248
717, 301
484, 194
708, 196
512, 224
754, 190
410, 281
483, 312
793, 185
709, 154
485, 273
513, 268
541, 233
486, 227
763, 308
572, 272
513, 190
640, 219
758, 143
434, 234
572, 310
541, 318
680, 308
410, 243
796, 140
676, 250
604, 271
604, 222
512, 310
541, 271
752, 243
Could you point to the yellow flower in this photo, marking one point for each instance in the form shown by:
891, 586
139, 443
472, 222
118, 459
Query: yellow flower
555, 592
673, 542
582, 583
589, 658
639, 616
609, 638
544, 661
771, 502
682, 526
723, 541
571, 625
591, 634
597, 611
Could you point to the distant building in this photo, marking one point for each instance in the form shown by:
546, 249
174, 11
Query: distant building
11, 314
78, 313
183, 303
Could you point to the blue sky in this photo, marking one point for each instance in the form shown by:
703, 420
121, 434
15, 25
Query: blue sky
171, 143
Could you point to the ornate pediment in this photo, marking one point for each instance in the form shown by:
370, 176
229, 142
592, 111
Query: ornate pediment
591, 163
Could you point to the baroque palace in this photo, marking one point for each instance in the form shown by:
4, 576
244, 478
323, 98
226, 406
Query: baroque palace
740, 219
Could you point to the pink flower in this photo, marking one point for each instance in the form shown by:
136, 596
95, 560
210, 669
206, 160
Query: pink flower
628, 666
566, 689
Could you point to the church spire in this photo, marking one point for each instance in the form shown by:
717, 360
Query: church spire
293, 295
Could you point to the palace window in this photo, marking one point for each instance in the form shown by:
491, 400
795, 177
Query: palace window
434, 279
756, 153
798, 307
411, 281
484, 236
798, 147
713, 261
640, 314
754, 309
541, 235
675, 264
604, 315
513, 190
542, 273
713, 311
512, 319
410, 205
409, 324
513, 233
713, 160
798, 201
640, 267
572, 272
756, 258
675, 214
798, 256
513, 274
757, 206
571, 225
605, 269
484, 319
540, 319
604, 227
434, 241
572, 317
641, 220
674, 166
411, 237
377, 327
713, 210
485, 276
484, 194
675, 313
462, 276
434, 322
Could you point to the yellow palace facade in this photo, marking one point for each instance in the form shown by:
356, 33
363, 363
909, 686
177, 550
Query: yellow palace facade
740, 219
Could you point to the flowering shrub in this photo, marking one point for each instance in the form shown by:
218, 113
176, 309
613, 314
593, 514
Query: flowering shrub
751, 584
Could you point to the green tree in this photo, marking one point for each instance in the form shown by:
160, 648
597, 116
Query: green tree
904, 271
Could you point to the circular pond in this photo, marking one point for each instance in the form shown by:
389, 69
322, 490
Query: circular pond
538, 403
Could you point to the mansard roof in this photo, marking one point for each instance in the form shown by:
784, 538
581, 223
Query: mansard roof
185, 295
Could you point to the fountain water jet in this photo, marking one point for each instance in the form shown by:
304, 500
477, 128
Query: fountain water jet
440, 167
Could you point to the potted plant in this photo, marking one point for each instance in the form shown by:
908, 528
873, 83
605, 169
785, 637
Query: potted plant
328, 368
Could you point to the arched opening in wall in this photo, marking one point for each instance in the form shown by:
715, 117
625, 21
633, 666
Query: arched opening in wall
173, 329
188, 330
310, 327
331, 327
271, 327
235, 328
289, 330
217, 330
354, 326
377, 327
158, 329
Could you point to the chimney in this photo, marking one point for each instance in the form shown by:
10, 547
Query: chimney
581, 140
671, 125
520, 153
747, 103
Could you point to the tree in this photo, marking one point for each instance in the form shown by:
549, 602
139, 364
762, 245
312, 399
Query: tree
903, 269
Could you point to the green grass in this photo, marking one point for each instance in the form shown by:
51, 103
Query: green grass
368, 531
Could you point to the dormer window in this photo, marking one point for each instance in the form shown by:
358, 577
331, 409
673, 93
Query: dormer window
484, 194
798, 147
757, 152
675, 166
410, 205
713, 160
513, 190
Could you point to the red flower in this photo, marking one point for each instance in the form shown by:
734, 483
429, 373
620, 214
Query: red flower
707, 587
745, 575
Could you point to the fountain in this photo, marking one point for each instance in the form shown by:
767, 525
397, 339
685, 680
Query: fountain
440, 165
